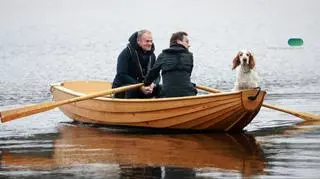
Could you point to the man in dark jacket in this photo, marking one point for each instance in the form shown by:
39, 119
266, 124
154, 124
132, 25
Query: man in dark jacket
176, 64
133, 64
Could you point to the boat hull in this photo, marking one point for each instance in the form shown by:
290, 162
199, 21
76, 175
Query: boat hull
229, 111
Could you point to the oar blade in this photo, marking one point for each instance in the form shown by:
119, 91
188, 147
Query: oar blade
302, 115
309, 116
24, 111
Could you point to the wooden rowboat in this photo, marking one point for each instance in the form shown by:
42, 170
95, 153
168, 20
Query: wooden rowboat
228, 111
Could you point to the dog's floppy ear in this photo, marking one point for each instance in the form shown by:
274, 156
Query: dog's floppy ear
252, 61
236, 61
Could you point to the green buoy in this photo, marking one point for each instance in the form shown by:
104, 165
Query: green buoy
295, 42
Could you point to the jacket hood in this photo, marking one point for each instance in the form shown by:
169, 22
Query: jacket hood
177, 48
133, 42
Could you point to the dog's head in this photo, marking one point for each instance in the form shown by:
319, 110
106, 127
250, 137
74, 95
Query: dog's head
244, 57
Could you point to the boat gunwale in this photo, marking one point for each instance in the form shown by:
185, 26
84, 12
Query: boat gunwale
59, 86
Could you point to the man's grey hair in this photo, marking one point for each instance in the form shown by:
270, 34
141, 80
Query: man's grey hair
141, 32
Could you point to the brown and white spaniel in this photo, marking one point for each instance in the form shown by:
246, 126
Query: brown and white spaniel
244, 62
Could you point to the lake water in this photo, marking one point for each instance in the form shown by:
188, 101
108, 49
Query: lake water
43, 42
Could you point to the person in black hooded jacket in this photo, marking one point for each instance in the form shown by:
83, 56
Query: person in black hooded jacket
133, 64
175, 64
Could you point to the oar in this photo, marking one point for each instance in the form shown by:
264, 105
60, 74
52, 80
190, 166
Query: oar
302, 115
12, 114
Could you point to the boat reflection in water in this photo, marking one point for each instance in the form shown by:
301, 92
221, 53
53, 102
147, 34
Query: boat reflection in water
136, 155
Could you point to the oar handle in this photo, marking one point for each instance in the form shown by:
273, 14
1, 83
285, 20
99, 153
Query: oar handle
12, 114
